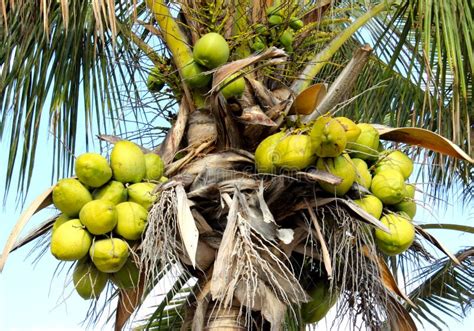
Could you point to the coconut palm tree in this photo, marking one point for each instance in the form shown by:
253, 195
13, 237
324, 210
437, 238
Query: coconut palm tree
249, 250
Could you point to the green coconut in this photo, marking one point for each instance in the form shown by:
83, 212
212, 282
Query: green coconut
233, 86
142, 193
88, 281
155, 167
193, 75
293, 152
99, 216
366, 145
389, 186
70, 241
402, 234
408, 204
93, 169
211, 50
322, 300
128, 162
363, 176
287, 38
328, 137
396, 160
340, 166
371, 204
275, 20
296, 24
113, 191
109, 255
131, 220
352, 130
69, 195
127, 277
264, 153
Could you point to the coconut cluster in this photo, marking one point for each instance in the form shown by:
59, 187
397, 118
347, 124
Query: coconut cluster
103, 211
353, 152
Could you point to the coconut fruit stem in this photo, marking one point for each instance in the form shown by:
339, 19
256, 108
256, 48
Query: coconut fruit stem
319, 60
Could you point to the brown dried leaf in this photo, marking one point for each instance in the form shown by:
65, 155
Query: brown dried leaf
313, 175
264, 96
42, 201
186, 224
128, 302
235, 66
425, 234
307, 101
170, 145
423, 138
319, 235
399, 318
255, 116
317, 12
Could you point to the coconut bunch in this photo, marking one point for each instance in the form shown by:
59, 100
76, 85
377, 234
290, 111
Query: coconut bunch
104, 211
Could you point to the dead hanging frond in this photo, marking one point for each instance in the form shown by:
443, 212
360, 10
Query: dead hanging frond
248, 262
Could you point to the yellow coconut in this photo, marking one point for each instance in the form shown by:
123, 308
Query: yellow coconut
352, 130
99, 216
69, 195
109, 255
322, 300
70, 241
142, 193
340, 166
155, 166
264, 153
371, 204
131, 220
293, 152
363, 176
88, 281
93, 169
61, 219
127, 277
328, 137
128, 162
396, 160
366, 145
408, 204
113, 191
389, 186
402, 234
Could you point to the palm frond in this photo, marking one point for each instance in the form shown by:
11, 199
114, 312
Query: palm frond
446, 288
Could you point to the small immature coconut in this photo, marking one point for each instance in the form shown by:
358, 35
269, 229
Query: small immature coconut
211, 50
155, 80
109, 255
363, 176
408, 204
396, 160
389, 186
264, 153
155, 166
70, 241
402, 234
328, 137
340, 166
293, 152
366, 145
131, 220
93, 169
142, 193
128, 162
127, 277
352, 130
322, 300
88, 281
286, 39
296, 23
371, 204
233, 86
60, 220
275, 20
193, 75
99, 216
69, 195
113, 191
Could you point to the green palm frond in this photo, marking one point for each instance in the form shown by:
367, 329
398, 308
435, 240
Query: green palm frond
445, 287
